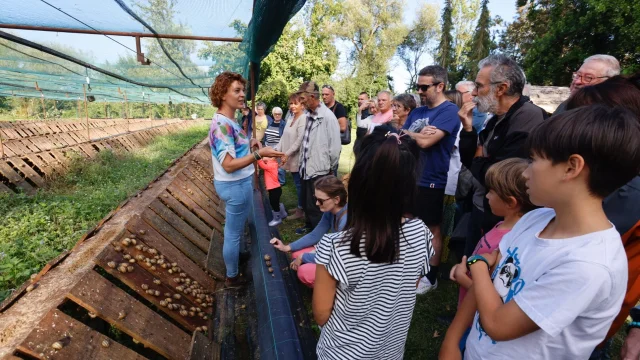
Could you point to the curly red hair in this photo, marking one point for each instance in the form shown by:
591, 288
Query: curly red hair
221, 86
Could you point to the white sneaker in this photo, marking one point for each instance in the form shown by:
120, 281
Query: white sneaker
424, 286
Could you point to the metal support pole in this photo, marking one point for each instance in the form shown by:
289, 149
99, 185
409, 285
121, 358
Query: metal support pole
252, 81
126, 116
44, 108
86, 111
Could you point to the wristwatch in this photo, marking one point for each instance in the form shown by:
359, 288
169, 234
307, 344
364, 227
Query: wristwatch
474, 259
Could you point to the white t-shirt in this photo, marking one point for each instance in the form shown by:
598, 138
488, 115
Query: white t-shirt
374, 302
571, 288
455, 164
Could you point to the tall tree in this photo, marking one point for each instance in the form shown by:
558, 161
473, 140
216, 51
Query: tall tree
226, 56
420, 41
564, 33
481, 44
445, 56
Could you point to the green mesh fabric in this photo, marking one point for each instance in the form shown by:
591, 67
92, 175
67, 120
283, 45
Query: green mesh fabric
176, 74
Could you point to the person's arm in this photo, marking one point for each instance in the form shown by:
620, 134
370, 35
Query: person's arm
427, 140
467, 147
500, 321
335, 146
342, 122
309, 258
459, 274
231, 164
513, 148
324, 295
631, 347
314, 236
450, 349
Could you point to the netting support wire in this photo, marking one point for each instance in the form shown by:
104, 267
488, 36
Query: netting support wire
85, 64
120, 33
86, 111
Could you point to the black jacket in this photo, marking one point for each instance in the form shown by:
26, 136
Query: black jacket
508, 137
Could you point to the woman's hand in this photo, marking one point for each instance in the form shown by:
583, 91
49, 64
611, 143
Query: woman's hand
277, 243
268, 151
466, 115
283, 160
295, 264
255, 143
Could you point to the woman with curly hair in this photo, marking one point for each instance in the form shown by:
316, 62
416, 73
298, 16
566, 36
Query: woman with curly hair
233, 160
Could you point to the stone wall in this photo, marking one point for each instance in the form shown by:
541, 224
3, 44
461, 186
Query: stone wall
548, 97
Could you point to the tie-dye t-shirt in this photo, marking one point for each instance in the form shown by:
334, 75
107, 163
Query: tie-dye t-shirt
227, 137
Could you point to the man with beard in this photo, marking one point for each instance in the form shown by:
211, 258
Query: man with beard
441, 116
594, 70
499, 86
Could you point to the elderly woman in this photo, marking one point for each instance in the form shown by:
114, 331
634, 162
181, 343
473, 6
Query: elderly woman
262, 121
290, 146
402, 105
233, 165
272, 137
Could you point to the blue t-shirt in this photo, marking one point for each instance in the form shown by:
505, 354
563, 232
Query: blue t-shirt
434, 161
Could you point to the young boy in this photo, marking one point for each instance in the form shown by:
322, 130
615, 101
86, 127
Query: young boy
560, 275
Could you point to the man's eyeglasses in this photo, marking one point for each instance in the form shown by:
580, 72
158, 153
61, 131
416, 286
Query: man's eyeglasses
586, 78
320, 201
425, 87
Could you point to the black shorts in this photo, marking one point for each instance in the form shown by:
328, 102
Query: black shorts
429, 205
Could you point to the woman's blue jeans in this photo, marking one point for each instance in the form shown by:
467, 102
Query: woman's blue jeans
298, 184
238, 198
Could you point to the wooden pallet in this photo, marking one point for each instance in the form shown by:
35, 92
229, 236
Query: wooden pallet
146, 270
29, 171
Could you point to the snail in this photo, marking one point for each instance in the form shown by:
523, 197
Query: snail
122, 315
270, 269
105, 343
267, 257
156, 281
57, 345
126, 242
144, 286
268, 263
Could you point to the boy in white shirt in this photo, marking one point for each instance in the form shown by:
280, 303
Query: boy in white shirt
561, 274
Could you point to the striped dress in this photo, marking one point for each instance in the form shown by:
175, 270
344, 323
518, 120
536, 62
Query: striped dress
374, 302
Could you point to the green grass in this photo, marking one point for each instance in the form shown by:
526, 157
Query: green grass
35, 229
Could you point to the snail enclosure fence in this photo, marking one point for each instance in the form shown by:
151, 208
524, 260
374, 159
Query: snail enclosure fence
34, 152
153, 270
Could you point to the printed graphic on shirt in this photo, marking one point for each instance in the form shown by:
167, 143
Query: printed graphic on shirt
224, 139
507, 282
418, 125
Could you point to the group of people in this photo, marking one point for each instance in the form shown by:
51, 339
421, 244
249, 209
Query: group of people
549, 205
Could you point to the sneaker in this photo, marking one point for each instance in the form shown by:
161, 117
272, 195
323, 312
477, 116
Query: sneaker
297, 214
283, 212
235, 282
424, 286
302, 231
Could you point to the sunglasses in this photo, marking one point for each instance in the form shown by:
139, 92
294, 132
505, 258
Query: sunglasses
327, 87
426, 87
320, 201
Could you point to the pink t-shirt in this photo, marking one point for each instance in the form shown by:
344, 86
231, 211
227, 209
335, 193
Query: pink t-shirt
487, 244
270, 168
381, 118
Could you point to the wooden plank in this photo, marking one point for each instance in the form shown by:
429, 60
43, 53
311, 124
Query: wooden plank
15, 178
59, 155
178, 193
202, 348
99, 296
4, 188
141, 276
153, 239
88, 149
17, 147
197, 196
171, 234
27, 171
205, 187
185, 213
79, 341
215, 260
43, 166
179, 224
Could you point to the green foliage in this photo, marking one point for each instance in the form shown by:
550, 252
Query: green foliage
555, 36
226, 56
445, 56
482, 43
35, 229
420, 40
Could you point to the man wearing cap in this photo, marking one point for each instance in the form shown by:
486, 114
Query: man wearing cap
319, 151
